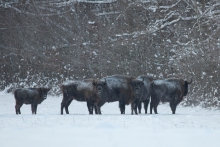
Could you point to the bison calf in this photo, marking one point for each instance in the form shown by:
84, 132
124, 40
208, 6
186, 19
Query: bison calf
33, 96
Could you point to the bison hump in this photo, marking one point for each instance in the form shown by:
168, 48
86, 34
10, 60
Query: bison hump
115, 82
168, 84
84, 85
80, 85
29, 91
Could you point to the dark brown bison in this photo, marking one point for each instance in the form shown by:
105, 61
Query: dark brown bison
124, 89
169, 90
82, 91
145, 92
102, 92
33, 96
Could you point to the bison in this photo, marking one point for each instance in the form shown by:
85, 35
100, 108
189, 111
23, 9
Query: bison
82, 91
124, 89
169, 90
33, 96
145, 92
102, 91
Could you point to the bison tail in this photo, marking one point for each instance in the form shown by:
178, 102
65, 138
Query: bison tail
63, 89
16, 94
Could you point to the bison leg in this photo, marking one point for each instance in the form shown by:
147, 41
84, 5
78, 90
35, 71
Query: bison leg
35, 111
153, 105
90, 107
155, 108
67, 110
146, 102
20, 108
34, 108
62, 106
174, 104
132, 109
122, 107
67, 105
171, 106
134, 106
17, 108
139, 107
98, 109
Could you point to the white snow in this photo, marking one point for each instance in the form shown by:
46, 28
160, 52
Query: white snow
192, 127
69, 82
94, 53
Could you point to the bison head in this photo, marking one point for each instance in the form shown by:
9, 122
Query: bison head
186, 87
44, 92
137, 85
99, 86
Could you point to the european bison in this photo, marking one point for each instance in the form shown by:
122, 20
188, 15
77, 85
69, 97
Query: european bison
145, 92
169, 90
33, 96
82, 91
101, 89
124, 89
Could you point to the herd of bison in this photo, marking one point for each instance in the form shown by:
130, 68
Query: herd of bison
96, 92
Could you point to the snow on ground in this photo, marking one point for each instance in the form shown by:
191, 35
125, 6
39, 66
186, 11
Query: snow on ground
194, 127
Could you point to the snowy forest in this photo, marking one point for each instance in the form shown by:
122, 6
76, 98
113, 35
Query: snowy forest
46, 42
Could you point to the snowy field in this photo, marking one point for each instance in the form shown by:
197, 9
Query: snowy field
190, 127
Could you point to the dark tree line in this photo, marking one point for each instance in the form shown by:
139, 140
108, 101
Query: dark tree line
43, 43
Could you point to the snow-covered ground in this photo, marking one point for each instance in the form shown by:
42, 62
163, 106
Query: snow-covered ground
190, 127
